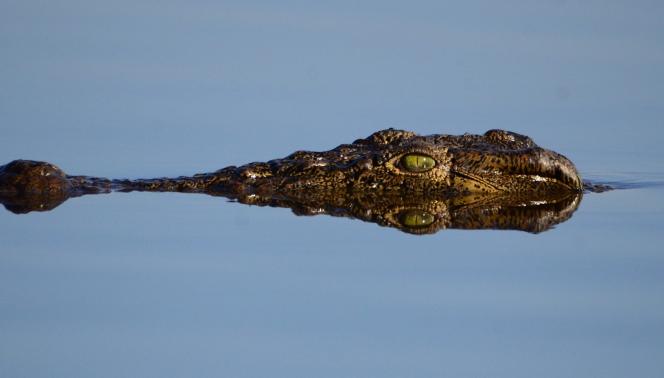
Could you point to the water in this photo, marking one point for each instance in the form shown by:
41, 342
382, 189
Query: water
147, 284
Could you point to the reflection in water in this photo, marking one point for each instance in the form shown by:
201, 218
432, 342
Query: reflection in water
414, 215
426, 215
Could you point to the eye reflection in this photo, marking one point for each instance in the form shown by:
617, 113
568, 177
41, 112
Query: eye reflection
416, 218
417, 163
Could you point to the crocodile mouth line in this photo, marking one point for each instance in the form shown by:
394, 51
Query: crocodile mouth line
478, 179
487, 184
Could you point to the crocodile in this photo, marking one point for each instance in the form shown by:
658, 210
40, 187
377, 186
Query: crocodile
393, 177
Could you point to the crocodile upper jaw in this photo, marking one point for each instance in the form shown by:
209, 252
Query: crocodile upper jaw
531, 170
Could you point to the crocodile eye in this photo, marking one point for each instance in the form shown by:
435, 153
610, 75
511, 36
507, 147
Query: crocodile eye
416, 218
417, 163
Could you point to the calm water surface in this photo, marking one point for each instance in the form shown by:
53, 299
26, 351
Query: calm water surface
153, 285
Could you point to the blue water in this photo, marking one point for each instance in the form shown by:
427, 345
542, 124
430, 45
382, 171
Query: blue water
153, 285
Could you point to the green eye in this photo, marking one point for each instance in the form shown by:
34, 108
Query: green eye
417, 163
416, 218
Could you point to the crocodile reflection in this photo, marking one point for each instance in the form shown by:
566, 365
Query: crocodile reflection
426, 215
417, 215
395, 178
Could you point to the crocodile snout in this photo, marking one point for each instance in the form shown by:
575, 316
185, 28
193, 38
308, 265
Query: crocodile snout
530, 170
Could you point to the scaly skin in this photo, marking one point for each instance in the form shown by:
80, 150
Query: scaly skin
498, 161
385, 178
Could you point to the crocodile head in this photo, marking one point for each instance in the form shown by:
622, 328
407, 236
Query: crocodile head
402, 161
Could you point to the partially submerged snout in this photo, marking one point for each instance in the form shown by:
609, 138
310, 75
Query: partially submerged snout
532, 169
